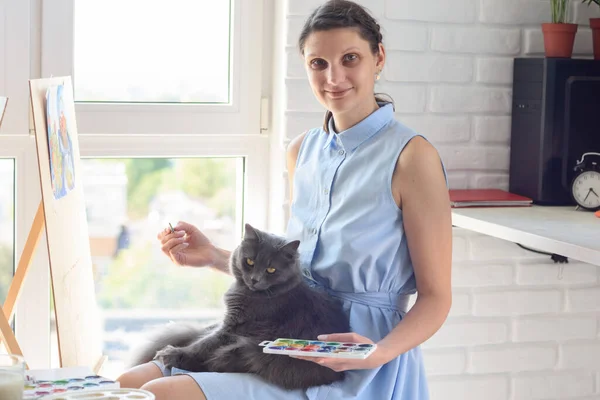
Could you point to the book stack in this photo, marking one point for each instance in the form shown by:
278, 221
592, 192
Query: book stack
460, 198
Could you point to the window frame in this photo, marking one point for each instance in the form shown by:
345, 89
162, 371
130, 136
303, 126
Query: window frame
19, 39
127, 130
253, 149
242, 116
32, 332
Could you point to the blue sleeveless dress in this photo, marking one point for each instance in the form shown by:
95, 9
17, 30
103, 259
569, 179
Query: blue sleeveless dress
352, 244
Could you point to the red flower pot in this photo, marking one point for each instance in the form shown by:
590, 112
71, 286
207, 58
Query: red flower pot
559, 39
595, 25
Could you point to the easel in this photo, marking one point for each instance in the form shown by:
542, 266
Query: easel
3, 103
68, 246
6, 332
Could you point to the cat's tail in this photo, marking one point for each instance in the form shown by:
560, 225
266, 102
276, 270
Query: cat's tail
177, 334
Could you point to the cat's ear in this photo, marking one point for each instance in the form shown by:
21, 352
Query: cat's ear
291, 247
250, 233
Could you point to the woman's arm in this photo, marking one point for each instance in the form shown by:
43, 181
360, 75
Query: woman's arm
291, 157
419, 187
220, 260
188, 246
420, 190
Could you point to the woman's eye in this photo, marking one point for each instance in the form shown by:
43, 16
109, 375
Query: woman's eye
270, 270
350, 57
249, 261
318, 63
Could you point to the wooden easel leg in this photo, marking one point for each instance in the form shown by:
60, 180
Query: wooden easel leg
100, 364
8, 338
6, 333
24, 262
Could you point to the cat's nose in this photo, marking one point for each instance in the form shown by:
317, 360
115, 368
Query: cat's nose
254, 281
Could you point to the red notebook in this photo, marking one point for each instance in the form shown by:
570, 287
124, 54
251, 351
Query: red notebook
487, 198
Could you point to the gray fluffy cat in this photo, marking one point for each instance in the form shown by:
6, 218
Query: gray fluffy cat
269, 299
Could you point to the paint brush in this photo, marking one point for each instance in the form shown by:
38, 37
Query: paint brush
171, 227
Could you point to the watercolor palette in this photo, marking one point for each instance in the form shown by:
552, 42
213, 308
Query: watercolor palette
116, 394
314, 348
40, 389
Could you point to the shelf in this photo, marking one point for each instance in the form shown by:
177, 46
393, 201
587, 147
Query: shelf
559, 230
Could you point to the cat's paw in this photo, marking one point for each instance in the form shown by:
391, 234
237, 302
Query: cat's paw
180, 358
170, 356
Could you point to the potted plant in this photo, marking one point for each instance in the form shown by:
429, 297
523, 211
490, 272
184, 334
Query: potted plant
559, 35
595, 25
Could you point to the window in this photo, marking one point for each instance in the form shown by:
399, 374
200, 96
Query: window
168, 121
128, 201
163, 67
7, 221
178, 53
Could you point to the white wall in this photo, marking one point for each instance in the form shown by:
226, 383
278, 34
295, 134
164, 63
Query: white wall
518, 329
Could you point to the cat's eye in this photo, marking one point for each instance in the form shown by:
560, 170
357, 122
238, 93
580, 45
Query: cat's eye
270, 270
249, 261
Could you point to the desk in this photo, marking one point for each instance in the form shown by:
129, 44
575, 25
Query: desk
559, 230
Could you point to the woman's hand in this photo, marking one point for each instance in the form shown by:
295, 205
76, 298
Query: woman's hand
376, 359
187, 246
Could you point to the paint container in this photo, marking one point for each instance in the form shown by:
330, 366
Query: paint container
40, 389
114, 394
311, 348
12, 377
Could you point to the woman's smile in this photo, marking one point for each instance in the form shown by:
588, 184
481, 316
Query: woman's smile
338, 93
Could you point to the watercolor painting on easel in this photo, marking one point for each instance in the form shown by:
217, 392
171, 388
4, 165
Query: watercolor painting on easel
62, 167
77, 316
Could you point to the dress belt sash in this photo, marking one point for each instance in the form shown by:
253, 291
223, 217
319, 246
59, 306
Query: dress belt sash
392, 301
384, 300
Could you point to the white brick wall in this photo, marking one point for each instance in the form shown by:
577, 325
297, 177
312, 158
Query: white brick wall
521, 327
459, 11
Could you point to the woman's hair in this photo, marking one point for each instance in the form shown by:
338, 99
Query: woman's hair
344, 14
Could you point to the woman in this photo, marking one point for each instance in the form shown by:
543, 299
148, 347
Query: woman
370, 206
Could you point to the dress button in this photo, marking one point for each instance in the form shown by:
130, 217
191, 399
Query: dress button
326, 191
314, 231
306, 272
341, 152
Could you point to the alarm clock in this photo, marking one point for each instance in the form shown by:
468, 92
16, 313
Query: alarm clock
585, 186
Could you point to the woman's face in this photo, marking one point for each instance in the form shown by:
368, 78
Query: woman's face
341, 69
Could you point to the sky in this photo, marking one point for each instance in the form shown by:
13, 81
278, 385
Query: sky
141, 50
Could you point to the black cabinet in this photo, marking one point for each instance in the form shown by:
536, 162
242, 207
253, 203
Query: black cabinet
555, 119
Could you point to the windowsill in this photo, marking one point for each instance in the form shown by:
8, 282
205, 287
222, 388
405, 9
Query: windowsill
558, 230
